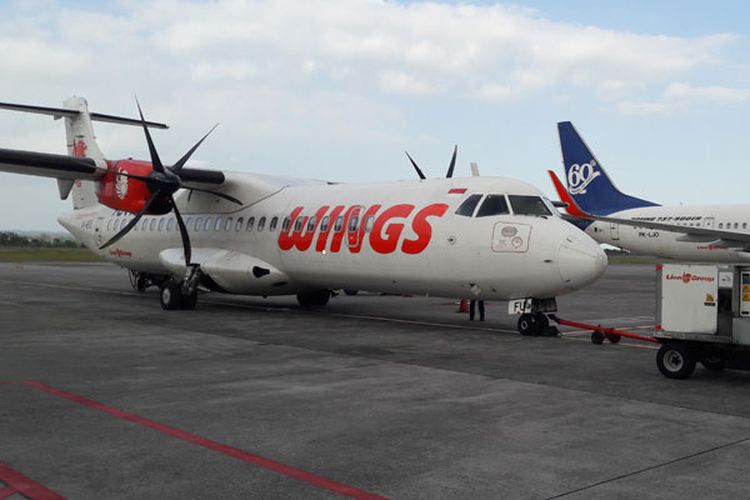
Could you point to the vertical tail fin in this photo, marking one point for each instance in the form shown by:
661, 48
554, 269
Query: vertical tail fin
588, 183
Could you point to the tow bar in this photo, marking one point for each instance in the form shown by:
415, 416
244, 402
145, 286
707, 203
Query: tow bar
599, 333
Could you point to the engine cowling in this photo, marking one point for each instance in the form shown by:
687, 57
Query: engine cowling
124, 193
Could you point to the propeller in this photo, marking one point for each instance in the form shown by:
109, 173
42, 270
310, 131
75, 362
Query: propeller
163, 182
451, 167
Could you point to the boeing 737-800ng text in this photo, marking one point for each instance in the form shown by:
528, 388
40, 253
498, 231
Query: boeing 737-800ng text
698, 233
183, 228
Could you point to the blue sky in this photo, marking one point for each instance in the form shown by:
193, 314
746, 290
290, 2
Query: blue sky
338, 89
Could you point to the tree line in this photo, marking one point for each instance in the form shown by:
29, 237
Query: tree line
11, 239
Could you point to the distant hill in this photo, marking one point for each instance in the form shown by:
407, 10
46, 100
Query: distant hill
37, 239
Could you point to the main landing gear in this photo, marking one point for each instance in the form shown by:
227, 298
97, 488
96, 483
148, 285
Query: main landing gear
183, 294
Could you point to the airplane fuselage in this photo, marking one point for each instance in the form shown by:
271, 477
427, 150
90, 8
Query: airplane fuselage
674, 245
401, 237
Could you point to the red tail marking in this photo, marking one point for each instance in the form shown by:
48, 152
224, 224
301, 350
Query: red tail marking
572, 208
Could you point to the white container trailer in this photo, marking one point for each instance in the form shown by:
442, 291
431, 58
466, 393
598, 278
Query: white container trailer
702, 315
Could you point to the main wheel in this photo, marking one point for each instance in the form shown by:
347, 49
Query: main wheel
351, 292
141, 283
676, 360
528, 324
312, 299
170, 295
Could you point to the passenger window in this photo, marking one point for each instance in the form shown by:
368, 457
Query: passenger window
353, 223
528, 205
198, 223
274, 223
207, 224
239, 224
152, 226
339, 224
493, 204
228, 225
170, 224
311, 224
250, 223
217, 224
188, 221
144, 224
261, 223
369, 223
744, 225
467, 207
324, 224
736, 225
285, 225
298, 225
162, 221
721, 225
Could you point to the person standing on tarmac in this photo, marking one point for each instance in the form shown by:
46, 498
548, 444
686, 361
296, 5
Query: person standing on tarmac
472, 306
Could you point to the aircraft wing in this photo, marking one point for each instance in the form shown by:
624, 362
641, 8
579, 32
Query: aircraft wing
696, 234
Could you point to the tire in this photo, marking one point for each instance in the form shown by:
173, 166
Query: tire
141, 283
189, 301
613, 338
597, 337
351, 292
314, 299
676, 360
170, 295
528, 325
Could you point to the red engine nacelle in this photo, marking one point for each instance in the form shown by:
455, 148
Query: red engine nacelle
124, 193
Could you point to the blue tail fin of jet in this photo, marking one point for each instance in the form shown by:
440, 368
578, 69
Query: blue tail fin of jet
587, 181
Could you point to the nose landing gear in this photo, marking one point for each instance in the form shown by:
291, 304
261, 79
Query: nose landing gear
536, 323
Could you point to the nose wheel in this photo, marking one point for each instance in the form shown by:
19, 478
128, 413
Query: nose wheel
532, 324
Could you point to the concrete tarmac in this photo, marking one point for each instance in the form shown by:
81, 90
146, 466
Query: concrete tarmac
105, 395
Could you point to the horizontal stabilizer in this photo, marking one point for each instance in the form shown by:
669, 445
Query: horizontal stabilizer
47, 165
73, 113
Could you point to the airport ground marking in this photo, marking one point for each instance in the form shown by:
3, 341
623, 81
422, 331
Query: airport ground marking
320, 482
17, 483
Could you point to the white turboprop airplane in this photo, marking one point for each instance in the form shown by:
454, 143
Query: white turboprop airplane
483, 237
709, 233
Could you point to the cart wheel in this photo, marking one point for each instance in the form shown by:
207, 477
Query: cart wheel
597, 337
676, 360
613, 338
528, 324
713, 362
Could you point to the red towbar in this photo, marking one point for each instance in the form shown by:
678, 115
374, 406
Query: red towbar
599, 332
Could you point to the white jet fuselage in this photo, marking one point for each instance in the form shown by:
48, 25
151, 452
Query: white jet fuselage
674, 245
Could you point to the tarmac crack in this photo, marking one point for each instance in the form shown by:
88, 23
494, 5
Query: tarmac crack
650, 468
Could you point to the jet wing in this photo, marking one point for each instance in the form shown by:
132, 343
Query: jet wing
695, 234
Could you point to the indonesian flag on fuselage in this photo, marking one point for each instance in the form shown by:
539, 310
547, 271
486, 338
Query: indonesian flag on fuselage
456, 192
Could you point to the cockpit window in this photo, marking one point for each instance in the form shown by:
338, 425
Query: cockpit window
528, 205
467, 207
493, 204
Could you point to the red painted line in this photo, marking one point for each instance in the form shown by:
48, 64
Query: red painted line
18, 483
266, 463
457, 191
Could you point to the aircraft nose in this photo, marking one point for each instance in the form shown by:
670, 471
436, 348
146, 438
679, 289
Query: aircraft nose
580, 261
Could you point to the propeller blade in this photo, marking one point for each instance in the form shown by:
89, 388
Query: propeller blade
155, 161
183, 232
181, 162
419, 172
130, 224
453, 163
220, 195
